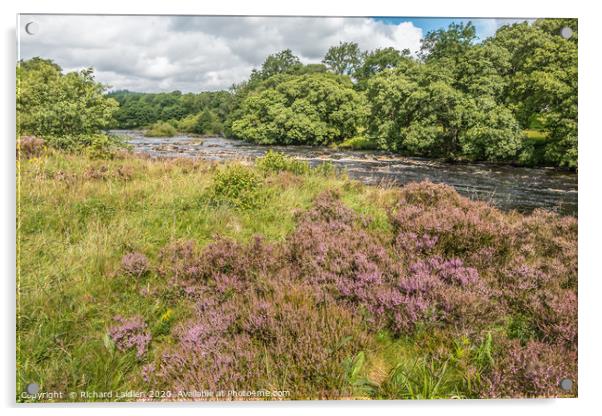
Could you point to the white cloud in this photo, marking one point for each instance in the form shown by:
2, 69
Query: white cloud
163, 53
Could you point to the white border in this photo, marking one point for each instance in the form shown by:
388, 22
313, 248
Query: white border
590, 149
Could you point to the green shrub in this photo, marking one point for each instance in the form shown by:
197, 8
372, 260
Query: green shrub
102, 146
279, 162
325, 169
238, 186
161, 129
188, 123
358, 143
97, 146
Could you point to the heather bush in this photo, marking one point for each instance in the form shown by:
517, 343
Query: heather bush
130, 333
284, 338
293, 315
135, 264
30, 146
460, 226
532, 370
179, 260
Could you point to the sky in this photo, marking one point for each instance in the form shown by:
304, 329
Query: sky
208, 53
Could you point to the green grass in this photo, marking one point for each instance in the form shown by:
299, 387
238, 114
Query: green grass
426, 365
78, 216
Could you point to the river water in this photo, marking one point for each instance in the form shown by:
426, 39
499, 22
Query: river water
507, 187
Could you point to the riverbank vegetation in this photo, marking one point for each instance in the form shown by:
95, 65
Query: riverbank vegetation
179, 274
457, 99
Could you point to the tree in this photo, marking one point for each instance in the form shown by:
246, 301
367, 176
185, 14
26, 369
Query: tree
143, 109
483, 71
343, 59
434, 119
542, 84
378, 60
207, 123
451, 43
315, 109
50, 103
555, 26
279, 63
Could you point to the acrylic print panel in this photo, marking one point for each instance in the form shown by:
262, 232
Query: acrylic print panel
284, 208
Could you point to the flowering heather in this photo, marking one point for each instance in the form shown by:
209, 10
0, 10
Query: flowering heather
289, 314
135, 264
533, 370
179, 259
30, 146
130, 333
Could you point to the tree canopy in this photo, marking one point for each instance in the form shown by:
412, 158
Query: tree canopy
50, 103
310, 109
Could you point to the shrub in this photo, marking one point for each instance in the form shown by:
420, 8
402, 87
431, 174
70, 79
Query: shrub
135, 264
237, 186
130, 333
533, 370
101, 147
160, 129
247, 340
358, 143
279, 162
97, 146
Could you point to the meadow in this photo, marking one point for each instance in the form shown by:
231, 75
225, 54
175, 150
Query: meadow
175, 275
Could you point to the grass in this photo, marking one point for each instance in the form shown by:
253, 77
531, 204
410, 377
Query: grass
427, 365
78, 216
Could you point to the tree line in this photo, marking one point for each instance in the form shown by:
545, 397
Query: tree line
511, 98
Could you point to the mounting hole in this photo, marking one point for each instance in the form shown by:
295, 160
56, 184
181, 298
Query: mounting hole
566, 384
566, 32
32, 28
32, 388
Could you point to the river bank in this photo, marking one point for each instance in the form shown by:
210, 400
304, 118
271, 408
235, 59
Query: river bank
507, 187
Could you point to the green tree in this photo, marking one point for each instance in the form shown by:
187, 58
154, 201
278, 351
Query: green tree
435, 119
451, 43
483, 71
378, 60
343, 59
315, 109
207, 123
542, 84
50, 103
279, 63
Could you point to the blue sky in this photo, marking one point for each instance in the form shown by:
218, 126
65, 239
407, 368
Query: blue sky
485, 27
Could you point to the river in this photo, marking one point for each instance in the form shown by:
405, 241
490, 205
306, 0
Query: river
507, 187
